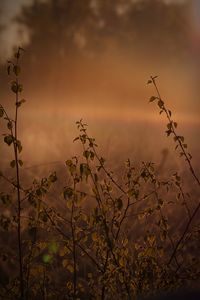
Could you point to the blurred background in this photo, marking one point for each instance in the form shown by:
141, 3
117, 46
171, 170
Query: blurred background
92, 59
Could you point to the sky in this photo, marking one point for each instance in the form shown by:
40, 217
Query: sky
11, 8
121, 97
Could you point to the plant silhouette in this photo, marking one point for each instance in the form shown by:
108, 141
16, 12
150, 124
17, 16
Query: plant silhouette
111, 236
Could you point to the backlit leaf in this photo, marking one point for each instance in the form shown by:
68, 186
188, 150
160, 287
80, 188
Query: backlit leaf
152, 98
16, 70
1, 112
20, 162
47, 258
8, 139
19, 146
12, 163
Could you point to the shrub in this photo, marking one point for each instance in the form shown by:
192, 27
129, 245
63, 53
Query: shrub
116, 236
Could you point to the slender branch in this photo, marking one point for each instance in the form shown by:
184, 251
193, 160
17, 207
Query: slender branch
68, 238
184, 233
15, 146
73, 245
188, 160
187, 157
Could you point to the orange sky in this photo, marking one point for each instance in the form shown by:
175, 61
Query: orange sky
107, 94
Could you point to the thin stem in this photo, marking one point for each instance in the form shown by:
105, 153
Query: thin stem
18, 187
187, 158
184, 233
44, 284
63, 234
73, 246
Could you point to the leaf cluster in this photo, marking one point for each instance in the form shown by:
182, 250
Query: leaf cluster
108, 236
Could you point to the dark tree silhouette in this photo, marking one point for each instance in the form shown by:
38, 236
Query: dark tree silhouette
2, 27
62, 31
155, 28
72, 27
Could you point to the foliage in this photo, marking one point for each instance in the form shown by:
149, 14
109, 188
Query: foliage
115, 236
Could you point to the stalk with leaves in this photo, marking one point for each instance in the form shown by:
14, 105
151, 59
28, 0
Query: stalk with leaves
182, 147
12, 139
